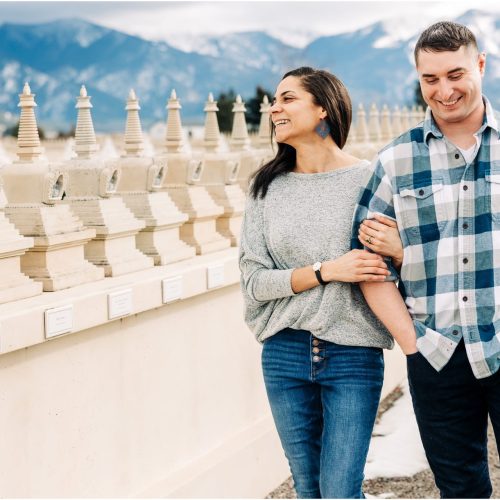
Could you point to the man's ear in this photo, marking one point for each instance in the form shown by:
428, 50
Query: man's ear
482, 62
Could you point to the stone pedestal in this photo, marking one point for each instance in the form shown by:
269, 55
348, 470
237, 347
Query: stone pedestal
160, 238
182, 184
250, 161
90, 193
57, 256
14, 285
220, 178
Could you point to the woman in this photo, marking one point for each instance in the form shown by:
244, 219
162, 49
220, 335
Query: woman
322, 354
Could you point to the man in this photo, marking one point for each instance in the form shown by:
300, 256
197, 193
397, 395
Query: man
441, 182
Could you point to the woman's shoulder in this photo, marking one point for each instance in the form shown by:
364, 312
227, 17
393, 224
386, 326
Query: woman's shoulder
360, 172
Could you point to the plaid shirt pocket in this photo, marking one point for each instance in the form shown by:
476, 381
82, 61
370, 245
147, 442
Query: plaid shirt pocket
493, 182
417, 203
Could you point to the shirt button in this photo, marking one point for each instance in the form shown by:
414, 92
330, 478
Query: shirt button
465, 225
421, 192
465, 188
315, 350
464, 298
455, 332
465, 260
316, 359
315, 342
457, 156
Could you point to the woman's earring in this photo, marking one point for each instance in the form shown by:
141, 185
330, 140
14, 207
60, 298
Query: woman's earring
323, 129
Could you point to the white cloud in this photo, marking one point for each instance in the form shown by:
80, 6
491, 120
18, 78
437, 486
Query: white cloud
295, 22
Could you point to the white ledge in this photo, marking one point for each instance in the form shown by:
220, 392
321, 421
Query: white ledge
22, 323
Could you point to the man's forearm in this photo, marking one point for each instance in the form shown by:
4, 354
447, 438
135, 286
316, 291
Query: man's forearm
386, 302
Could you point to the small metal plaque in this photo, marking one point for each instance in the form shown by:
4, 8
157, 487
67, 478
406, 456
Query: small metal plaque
171, 289
119, 303
58, 320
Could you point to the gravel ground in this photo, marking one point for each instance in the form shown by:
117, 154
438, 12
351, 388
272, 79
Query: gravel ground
420, 485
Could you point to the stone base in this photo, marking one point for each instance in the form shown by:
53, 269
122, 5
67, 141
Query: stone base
203, 236
14, 284
230, 227
61, 266
164, 245
160, 239
57, 258
117, 255
250, 162
200, 230
232, 199
113, 247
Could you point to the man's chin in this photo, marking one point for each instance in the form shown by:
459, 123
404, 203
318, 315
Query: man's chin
449, 116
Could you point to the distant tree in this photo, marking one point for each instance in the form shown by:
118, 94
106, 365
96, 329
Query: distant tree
225, 102
418, 100
14, 131
253, 107
66, 134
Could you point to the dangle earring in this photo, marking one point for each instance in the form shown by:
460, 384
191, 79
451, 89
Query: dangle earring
323, 129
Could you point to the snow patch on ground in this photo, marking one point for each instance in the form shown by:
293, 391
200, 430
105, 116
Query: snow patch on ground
396, 449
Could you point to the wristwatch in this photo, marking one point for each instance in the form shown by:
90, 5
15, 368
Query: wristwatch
317, 272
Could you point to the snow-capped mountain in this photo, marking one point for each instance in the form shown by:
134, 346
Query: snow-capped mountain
57, 57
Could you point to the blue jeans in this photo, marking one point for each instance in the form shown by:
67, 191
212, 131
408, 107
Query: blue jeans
324, 399
452, 409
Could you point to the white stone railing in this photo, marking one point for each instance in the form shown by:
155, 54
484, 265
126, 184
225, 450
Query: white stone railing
120, 310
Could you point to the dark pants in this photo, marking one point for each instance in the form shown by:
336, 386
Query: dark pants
452, 409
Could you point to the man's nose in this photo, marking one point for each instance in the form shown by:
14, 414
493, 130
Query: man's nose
445, 89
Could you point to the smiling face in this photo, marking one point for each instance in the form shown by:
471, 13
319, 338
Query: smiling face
294, 113
451, 84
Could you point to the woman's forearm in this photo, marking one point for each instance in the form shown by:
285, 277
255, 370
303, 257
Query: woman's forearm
304, 278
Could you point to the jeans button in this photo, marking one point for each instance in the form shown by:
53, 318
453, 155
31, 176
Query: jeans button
316, 359
315, 342
315, 350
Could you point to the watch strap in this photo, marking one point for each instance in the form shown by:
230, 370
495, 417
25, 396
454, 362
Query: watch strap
319, 278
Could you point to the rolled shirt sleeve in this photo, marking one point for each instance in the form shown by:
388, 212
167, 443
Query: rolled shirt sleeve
376, 196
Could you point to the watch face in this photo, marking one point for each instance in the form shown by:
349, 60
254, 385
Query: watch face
316, 266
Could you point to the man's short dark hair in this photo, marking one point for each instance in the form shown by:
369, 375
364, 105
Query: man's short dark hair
444, 36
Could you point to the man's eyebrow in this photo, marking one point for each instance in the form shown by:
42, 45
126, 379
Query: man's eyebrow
454, 70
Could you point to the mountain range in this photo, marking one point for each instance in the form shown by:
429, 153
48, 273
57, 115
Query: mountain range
57, 57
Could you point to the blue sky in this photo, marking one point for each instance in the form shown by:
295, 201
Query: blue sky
294, 22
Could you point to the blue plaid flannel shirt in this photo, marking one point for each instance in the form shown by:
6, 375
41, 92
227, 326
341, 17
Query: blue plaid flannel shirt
448, 214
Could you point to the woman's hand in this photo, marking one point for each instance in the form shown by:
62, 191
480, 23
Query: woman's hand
355, 266
382, 237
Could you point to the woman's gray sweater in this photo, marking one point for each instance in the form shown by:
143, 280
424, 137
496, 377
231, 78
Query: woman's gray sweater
305, 218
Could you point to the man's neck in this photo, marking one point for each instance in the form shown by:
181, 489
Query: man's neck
462, 133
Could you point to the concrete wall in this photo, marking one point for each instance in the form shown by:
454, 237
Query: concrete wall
168, 401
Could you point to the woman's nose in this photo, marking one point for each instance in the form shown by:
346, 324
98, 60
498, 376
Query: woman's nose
274, 107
